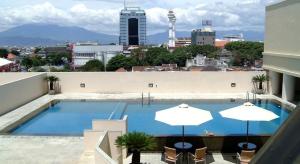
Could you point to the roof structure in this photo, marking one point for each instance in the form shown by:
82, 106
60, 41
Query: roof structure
4, 62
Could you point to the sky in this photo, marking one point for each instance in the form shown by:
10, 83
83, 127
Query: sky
103, 15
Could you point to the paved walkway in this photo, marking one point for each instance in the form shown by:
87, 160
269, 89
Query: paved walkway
40, 150
157, 158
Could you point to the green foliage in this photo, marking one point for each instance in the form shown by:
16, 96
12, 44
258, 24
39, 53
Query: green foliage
3, 53
164, 58
206, 50
153, 53
160, 55
17, 53
35, 61
120, 61
245, 52
136, 141
52, 78
37, 49
260, 79
93, 66
58, 58
38, 69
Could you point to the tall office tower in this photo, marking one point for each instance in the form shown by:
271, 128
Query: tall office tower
132, 26
205, 36
172, 21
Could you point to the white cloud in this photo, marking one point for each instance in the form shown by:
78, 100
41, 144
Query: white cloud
248, 15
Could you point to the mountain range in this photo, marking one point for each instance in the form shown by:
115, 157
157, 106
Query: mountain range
47, 34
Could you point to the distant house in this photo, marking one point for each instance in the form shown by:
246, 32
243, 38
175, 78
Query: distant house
84, 52
206, 64
8, 66
11, 57
121, 70
221, 43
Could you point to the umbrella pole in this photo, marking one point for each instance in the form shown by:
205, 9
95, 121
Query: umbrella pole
247, 132
183, 137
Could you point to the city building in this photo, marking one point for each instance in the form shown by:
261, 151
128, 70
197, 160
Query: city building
281, 55
84, 52
57, 49
172, 36
182, 42
205, 36
133, 26
234, 38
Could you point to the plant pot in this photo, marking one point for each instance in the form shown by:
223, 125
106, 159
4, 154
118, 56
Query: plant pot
51, 92
260, 91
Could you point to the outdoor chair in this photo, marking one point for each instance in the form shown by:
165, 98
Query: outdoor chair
245, 156
171, 155
199, 156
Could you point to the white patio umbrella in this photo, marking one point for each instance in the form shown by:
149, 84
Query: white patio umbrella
183, 115
248, 112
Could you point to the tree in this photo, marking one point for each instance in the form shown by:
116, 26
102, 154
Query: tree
93, 66
58, 58
247, 52
37, 49
138, 56
27, 62
35, 61
164, 58
136, 142
17, 53
120, 61
180, 56
153, 53
3, 53
205, 50
260, 79
52, 80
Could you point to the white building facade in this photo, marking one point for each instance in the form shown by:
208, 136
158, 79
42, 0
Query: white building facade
83, 53
282, 51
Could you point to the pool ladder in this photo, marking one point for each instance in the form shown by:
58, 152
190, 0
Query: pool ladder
254, 97
148, 99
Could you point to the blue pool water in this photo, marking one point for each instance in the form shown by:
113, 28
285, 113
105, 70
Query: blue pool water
72, 117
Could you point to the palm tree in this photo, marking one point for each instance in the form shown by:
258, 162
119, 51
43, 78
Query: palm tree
260, 79
52, 80
136, 142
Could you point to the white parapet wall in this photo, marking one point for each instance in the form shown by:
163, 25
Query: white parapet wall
157, 82
101, 140
17, 89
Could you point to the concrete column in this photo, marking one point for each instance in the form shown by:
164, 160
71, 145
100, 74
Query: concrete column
275, 82
288, 87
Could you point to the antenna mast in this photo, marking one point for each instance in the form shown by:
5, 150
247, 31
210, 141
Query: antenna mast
124, 4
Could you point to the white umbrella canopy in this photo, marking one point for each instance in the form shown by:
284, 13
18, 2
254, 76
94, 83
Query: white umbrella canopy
249, 112
183, 115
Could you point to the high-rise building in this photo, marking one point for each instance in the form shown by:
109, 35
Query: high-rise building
132, 26
205, 36
172, 21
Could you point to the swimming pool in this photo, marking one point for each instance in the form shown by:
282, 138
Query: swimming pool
72, 117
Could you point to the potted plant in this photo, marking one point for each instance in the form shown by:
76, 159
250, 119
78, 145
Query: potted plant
52, 80
259, 79
136, 142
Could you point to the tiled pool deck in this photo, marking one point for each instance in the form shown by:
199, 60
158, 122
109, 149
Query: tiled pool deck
37, 150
